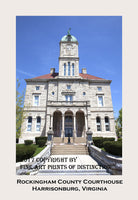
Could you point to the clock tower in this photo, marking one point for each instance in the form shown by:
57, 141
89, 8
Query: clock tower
68, 59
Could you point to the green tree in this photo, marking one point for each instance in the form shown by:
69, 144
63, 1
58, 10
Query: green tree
19, 109
119, 124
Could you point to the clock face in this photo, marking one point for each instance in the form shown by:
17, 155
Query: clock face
69, 50
69, 47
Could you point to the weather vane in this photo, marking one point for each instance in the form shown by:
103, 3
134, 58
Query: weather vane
69, 31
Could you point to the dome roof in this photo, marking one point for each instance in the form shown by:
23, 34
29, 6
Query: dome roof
68, 37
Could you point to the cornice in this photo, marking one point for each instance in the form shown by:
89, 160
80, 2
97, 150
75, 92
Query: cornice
79, 78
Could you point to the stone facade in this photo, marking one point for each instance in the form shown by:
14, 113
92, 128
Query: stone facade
67, 101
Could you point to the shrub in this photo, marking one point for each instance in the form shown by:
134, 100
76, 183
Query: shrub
40, 138
41, 143
108, 139
113, 147
28, 142
119, 140
98, 141
24, 152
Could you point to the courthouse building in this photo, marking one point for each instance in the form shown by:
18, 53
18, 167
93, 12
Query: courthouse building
68, 101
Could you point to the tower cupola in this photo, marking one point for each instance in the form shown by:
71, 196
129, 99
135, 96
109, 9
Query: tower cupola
68, 59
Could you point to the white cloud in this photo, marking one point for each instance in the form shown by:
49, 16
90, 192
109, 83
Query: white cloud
26, 73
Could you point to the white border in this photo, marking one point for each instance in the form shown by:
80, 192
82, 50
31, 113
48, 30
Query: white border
9, 10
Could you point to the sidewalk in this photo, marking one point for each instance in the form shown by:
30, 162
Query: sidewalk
71, 164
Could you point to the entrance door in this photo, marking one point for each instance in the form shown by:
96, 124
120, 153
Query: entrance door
68, 132
68, 126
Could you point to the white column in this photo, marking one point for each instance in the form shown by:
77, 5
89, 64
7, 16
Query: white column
62, 135
86, 123
74, 127
52, 122
102, 124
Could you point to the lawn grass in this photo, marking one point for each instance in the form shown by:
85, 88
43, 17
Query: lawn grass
102, 149
37, 151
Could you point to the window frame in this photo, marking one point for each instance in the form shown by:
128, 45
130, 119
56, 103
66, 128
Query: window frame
69, 67
98, 88
37, 88
107, 124
64, 69
29, 124
98, 124
36, 95
68, 98
73, 69
38, 124
99, 105
68, 87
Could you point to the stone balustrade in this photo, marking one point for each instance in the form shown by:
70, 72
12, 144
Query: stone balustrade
112, 163
32, 162
68, 103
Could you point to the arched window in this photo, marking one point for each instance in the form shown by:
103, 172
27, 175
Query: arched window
107, 126
98, 123
38, 123
64, 69
68, 68
72, 69
29, 125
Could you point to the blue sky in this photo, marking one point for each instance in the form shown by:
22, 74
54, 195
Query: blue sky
100, 47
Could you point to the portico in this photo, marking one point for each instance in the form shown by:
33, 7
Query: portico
69, 123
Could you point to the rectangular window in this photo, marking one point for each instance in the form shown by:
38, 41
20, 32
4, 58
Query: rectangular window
38, 127
36, 100
37, 87
68, 97
38, 123
107, 127
64, 69
98, 122
29, 127
100, 101
99, 88
68, 68
98, 127
68, 87
72, 69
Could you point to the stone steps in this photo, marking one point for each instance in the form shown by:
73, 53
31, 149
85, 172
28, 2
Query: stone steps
69, 150
72, 140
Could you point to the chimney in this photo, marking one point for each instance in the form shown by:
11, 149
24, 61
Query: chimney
52, 70
84, 71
